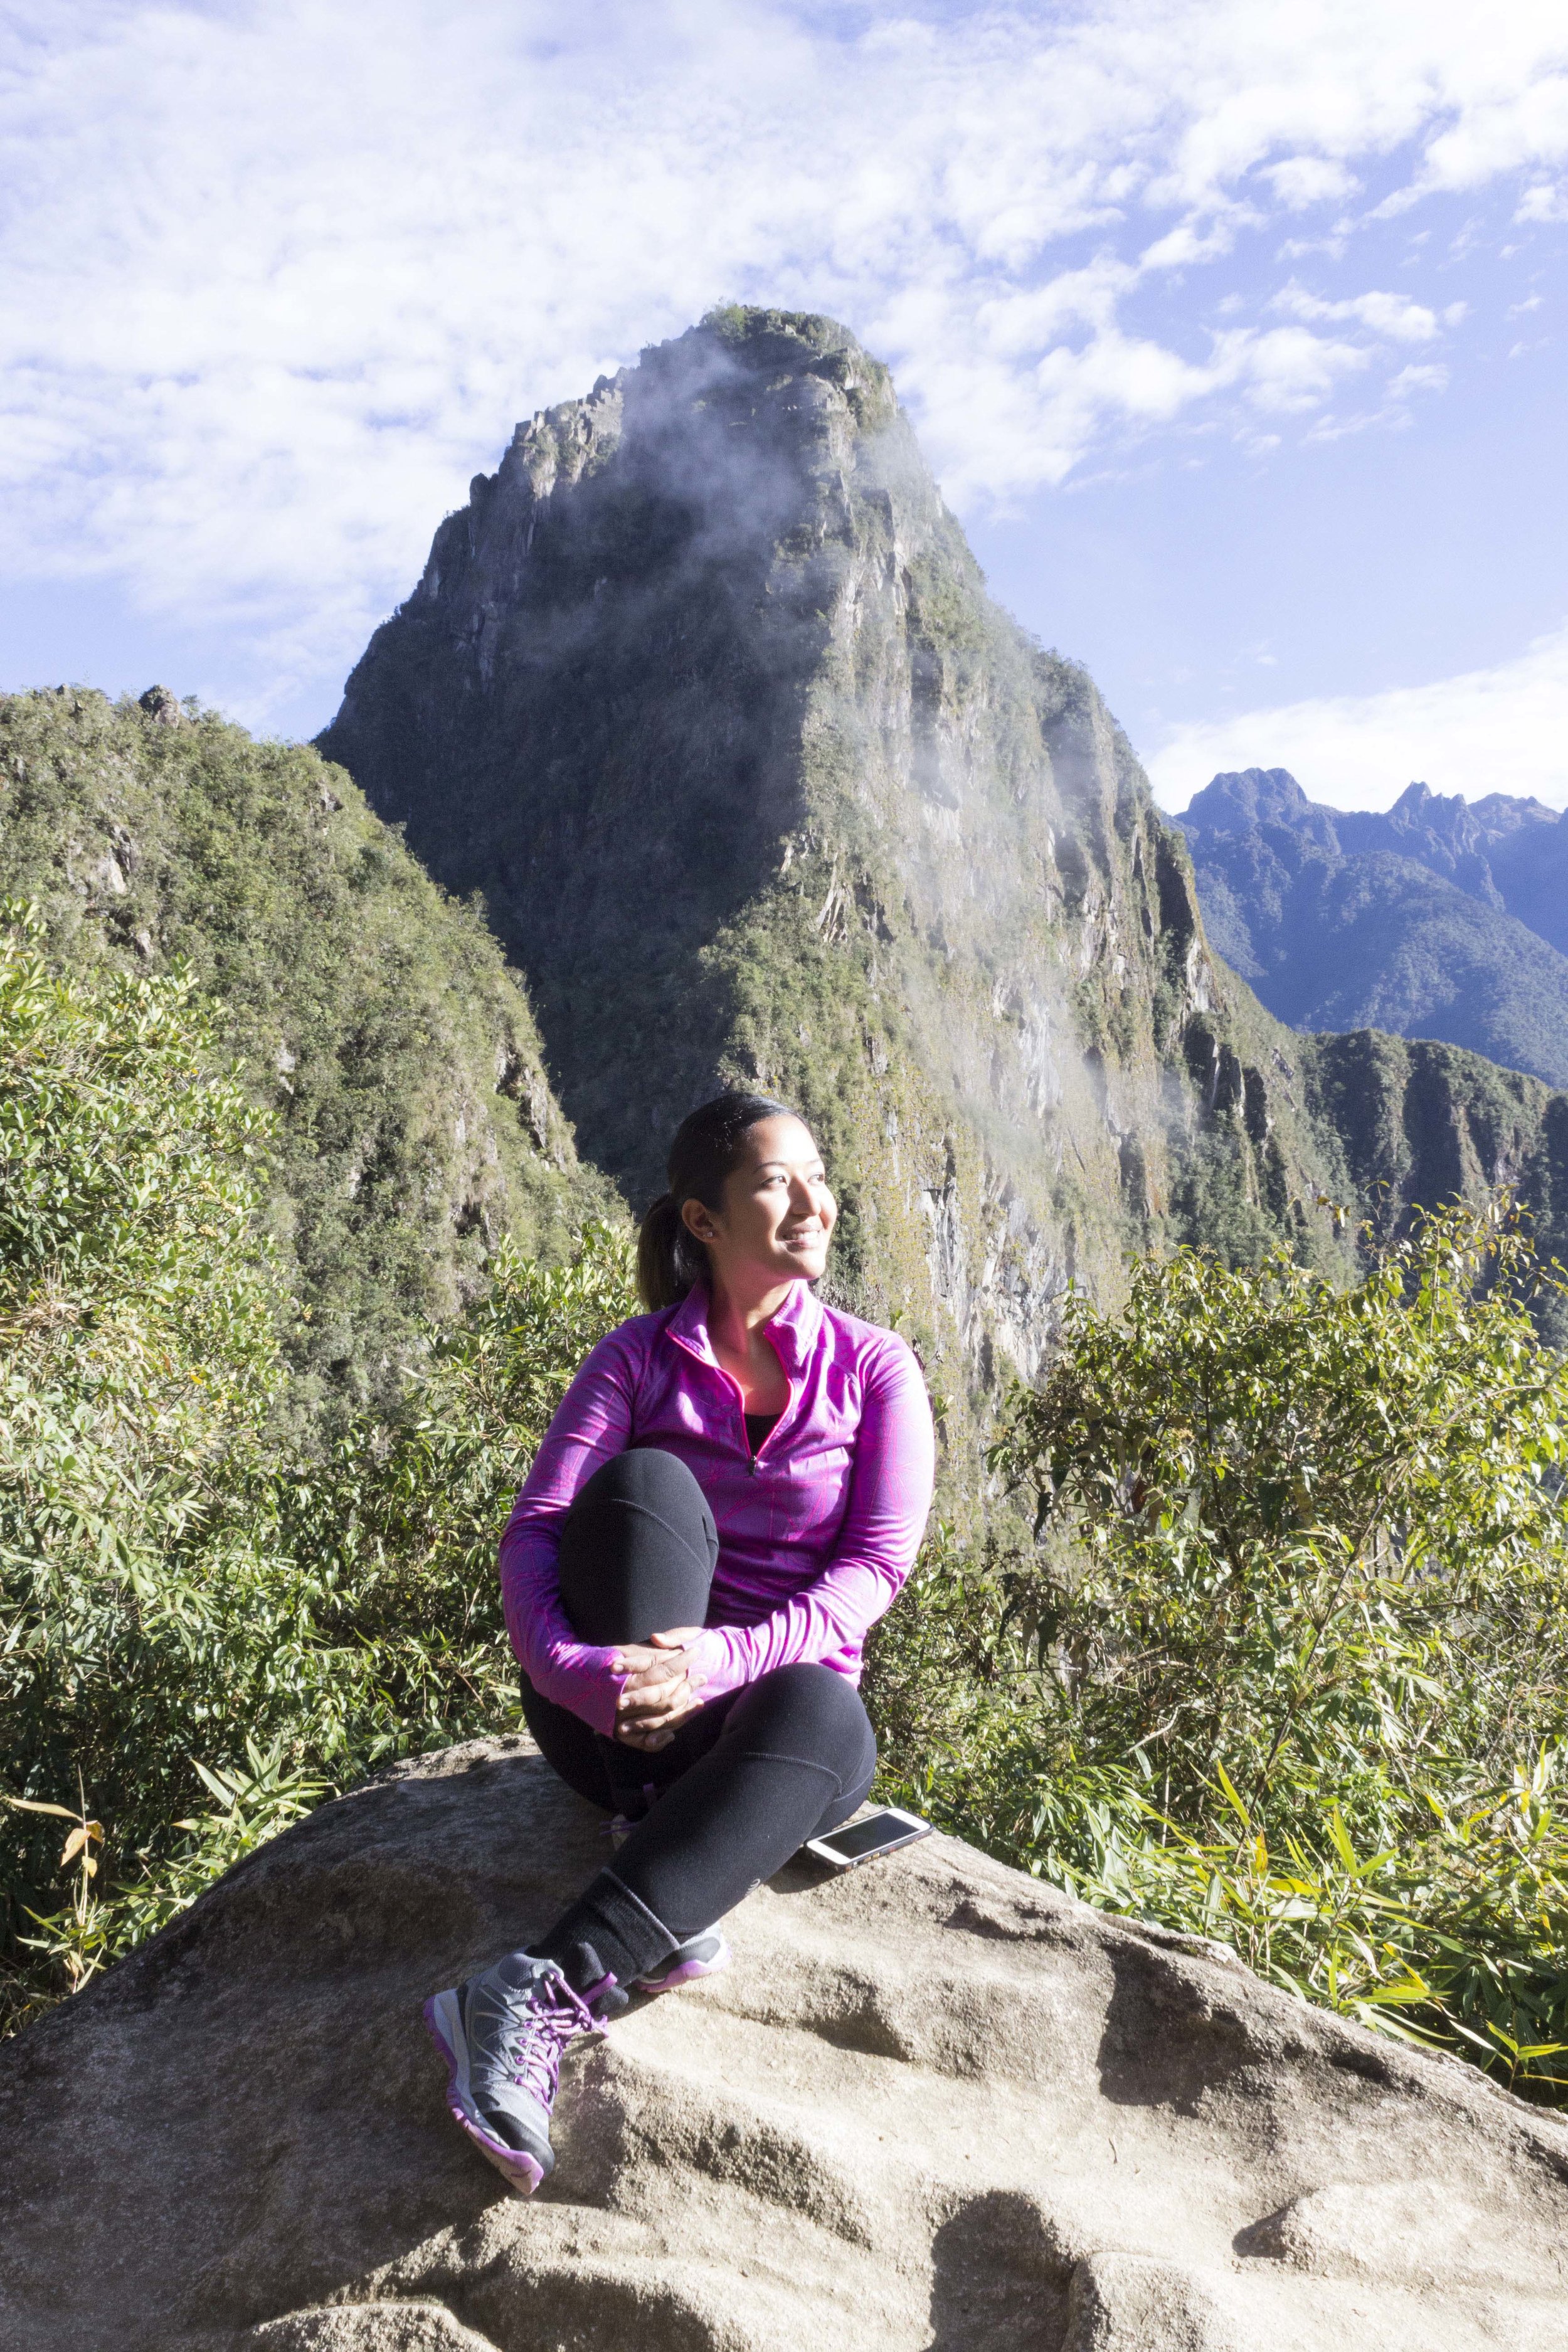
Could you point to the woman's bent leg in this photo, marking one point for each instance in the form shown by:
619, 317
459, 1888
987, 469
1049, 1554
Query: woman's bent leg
795, 1757
567, 1746
637, 1549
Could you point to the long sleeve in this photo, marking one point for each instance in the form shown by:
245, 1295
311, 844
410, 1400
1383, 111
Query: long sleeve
884, 1520
592, 1422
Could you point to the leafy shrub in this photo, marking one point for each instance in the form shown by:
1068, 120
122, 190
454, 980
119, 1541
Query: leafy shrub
1286, 1671
1298, 1682
200, 1631
136, 1309
400, 1526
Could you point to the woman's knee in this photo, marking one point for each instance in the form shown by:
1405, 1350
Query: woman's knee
647, 1479
637, 1549
809, 1711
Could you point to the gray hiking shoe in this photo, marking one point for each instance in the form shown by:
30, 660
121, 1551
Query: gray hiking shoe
501, 2036
699, 1955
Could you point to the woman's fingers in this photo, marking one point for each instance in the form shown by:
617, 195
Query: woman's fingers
644, 1734
668, 1667
634, 1658
656, 1710
658, 1656
659, 1690
640, 1662
646, 1743
650, 1717
638, 1697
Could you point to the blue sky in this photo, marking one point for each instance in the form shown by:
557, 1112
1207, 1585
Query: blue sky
1235, 331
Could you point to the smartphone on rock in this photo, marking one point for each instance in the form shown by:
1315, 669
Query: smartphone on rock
883, 1831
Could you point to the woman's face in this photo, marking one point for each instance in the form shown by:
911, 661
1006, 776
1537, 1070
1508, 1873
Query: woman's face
777, 1216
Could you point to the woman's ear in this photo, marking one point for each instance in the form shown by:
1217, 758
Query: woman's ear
697, 1221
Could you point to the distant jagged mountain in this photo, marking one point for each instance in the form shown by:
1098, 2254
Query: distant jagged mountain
1436, 919
417, 1124
1508, 851
703, 692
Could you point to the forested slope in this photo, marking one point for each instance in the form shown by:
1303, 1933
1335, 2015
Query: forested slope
415, 1124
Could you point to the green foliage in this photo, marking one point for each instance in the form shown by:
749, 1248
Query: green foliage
413, 1124
1299, 1683
201, 1628
1285, 1669
136, 1304
400, 1526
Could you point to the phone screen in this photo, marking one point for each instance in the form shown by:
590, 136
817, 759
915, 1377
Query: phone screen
877, 1833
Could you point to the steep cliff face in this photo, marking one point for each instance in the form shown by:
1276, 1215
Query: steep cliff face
704, 691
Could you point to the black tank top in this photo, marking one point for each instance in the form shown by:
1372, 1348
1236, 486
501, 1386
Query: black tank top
757, 1427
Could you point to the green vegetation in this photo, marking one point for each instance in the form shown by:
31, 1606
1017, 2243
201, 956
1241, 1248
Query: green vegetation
1286, 1667
1290, 1671
203, 1625
414, 1124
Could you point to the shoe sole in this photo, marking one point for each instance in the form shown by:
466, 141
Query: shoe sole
688, 1972
443, 2024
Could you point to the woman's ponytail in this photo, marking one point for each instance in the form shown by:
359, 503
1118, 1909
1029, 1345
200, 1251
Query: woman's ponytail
706, 1149
670, 1258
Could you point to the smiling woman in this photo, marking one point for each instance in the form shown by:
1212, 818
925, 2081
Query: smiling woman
731, 1493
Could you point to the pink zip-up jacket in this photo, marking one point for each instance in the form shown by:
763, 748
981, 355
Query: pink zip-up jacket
815, 1534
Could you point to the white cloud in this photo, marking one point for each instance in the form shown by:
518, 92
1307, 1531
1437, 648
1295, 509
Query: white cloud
274, 280
1426, 378
1301, 181
1546, 201
1393, 315
1489, 731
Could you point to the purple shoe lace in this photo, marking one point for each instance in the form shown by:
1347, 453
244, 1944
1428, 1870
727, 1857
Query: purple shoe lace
533, 2048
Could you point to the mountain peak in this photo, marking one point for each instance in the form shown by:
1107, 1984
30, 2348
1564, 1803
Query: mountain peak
1240, 801
1436, 917
703, 694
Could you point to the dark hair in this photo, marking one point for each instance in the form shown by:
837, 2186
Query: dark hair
706, 1149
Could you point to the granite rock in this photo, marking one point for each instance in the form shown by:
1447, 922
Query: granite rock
933, 2106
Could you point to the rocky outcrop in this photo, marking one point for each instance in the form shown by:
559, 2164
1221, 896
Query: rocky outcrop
703, 692
934, 2106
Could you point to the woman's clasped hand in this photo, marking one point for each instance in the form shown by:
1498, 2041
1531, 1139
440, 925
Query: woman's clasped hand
661, 1690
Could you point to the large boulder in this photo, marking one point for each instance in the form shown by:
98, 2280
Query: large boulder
933, 2105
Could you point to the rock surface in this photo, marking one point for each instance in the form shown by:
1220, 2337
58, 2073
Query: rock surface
934, 2106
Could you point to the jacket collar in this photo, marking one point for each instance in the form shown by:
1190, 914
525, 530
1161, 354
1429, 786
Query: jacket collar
795, 1330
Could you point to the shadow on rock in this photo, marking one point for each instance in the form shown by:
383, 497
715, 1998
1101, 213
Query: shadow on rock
999, 2282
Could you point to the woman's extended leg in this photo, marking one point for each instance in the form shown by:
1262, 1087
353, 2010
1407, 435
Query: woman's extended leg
795, 1757
742, 1785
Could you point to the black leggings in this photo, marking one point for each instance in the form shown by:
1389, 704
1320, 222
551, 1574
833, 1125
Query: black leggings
744, 1781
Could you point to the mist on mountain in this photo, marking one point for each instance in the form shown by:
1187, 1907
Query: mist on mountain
703, 695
